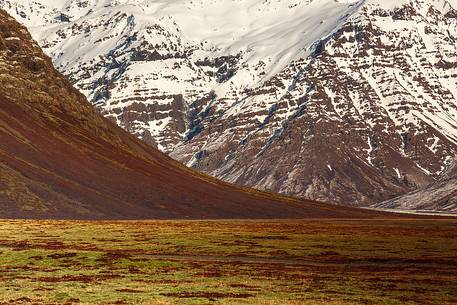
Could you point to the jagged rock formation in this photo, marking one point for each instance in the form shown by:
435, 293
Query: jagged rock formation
59, 158
347, 101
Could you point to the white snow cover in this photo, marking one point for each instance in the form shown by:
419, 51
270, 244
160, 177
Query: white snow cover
274, 31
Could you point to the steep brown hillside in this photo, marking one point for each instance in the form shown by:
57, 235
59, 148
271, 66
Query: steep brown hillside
60, 159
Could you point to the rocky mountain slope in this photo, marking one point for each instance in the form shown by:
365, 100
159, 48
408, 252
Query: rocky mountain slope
59, 158
439, 197
351, 101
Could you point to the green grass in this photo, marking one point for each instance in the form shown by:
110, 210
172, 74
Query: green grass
229, 262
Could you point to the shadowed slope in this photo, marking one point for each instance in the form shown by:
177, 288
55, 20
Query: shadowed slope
438, 197
60, 159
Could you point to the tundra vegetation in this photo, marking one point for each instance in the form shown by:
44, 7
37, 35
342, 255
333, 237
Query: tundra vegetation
229, 262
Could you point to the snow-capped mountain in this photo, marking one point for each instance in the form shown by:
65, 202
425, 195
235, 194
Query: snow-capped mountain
352, 101
60, 159
149, 64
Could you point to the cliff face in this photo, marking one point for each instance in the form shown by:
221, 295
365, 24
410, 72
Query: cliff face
352, 102
59, 158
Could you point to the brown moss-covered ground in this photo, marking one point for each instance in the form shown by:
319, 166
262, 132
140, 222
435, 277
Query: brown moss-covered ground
229, 262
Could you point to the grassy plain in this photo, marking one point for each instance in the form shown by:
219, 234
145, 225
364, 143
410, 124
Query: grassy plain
229, 262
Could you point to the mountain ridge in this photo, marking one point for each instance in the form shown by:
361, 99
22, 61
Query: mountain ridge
361, 109
59, 158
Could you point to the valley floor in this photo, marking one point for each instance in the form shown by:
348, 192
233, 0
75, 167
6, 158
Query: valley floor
229, 262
